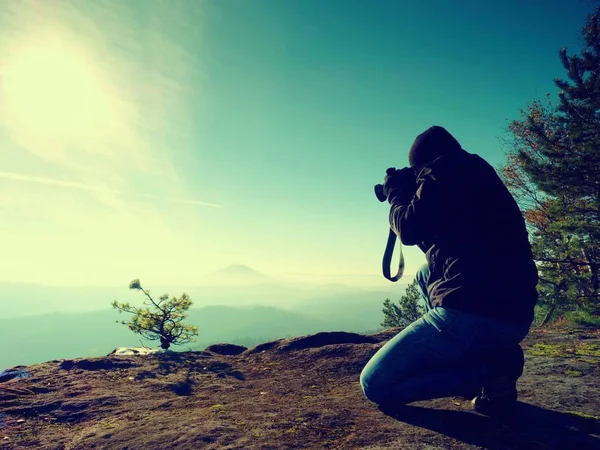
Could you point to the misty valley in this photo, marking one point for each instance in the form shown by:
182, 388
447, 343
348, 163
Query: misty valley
48, 323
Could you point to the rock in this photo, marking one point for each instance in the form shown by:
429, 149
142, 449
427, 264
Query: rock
67, 364
322, 339
226, 349
326, 338
125, 351
97, 364
13, 374
292, 393
264, 347
145, 374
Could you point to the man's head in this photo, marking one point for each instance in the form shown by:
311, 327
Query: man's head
431, 144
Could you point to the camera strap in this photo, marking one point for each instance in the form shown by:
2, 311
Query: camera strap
387, 258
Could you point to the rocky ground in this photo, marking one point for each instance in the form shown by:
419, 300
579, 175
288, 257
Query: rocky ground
300, 393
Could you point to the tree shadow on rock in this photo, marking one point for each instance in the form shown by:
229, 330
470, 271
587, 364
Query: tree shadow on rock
169, 362
221, 369
184, 387
531, 428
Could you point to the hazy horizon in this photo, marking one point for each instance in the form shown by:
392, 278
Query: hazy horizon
235, 285
220, 277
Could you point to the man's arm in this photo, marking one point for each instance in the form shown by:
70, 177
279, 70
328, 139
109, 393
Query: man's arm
412, 217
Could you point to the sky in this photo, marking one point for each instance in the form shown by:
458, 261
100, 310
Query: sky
163, 140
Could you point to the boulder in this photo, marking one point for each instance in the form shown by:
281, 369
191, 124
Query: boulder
121, 351
226, 349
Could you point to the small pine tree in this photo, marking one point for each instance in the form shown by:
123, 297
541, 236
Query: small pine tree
163, 322
553, 170
406, 311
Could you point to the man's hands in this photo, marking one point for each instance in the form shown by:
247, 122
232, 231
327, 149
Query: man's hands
399, 184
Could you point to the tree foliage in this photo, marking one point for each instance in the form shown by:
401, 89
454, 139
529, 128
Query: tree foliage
406, 311
553, 170
159, 319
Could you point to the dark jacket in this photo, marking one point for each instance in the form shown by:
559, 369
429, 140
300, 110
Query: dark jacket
474, 238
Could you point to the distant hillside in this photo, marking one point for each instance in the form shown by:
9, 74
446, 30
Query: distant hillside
250, 325
353, 310
236, 274
33, 339
25, 299
249, 289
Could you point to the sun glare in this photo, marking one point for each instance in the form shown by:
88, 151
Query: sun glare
52, 89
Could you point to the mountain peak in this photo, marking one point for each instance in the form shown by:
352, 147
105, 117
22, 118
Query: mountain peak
240, 269
238, 273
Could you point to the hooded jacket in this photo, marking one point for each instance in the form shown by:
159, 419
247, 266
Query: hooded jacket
473, 235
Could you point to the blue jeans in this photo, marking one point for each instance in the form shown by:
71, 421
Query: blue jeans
438, 355
422, 278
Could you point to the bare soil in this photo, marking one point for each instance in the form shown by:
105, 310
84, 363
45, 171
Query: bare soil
300, 393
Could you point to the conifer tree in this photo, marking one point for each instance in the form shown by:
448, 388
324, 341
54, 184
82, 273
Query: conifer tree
406, 311
553, 169
160, 320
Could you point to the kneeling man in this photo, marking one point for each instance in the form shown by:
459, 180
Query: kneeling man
479, 284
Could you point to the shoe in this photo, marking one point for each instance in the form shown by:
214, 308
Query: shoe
498, 396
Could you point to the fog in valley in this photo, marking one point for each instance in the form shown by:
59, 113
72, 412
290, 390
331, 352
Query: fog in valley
236, 305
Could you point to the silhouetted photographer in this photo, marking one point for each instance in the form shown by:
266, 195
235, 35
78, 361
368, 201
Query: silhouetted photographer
478, 286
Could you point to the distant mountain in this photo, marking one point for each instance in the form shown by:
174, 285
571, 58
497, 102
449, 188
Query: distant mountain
24, 299
236, 286
240, 270
250, 326
33, 339
236, 274
352, 311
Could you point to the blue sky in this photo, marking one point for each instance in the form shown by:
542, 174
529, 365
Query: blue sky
167, 139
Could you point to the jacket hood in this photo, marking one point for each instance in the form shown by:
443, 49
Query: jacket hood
431, 144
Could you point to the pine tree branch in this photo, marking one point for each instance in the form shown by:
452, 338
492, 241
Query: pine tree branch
147, 293
563, 261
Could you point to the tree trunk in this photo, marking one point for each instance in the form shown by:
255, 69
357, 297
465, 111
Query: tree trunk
548, 315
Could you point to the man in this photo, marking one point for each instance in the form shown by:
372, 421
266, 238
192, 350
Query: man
479, 284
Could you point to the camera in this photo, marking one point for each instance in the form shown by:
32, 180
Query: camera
379, 189
379, 193
401, 178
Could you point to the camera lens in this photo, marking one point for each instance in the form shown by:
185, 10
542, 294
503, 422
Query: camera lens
379, 193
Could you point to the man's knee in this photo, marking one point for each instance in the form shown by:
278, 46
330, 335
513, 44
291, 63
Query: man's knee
379, 390
382, 393
372, 388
